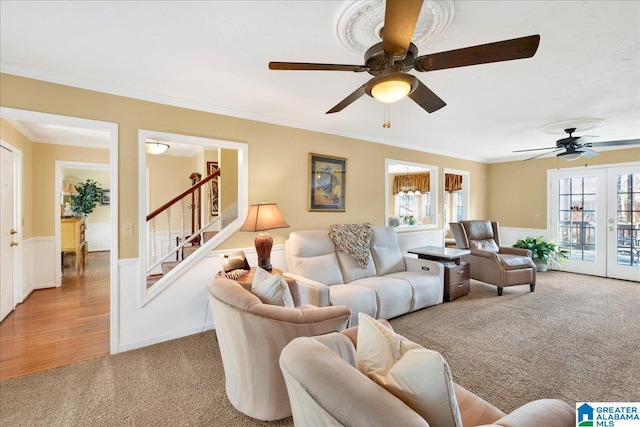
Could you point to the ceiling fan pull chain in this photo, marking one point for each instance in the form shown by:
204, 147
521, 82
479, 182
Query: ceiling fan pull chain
387, 119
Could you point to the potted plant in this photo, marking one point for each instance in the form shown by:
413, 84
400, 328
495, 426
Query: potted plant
542, 251
88, 196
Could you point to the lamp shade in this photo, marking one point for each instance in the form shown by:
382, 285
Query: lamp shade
156, 147
265, 216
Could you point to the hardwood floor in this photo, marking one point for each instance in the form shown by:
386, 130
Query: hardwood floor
59, 326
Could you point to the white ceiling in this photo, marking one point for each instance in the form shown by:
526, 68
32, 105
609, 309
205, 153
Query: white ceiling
213, 56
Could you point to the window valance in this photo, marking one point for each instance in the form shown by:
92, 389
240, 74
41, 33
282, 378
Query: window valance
452, 182
414, 182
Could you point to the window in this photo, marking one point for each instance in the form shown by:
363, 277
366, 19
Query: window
403, 205
456, 196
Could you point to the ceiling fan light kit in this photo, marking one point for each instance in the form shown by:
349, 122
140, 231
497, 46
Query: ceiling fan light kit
575, 155
391, 88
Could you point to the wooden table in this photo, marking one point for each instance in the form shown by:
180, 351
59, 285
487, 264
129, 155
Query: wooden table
457, 273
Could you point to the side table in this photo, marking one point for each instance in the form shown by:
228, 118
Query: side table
457, 273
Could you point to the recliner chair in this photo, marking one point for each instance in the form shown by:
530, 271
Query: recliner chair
251, 336
491, 263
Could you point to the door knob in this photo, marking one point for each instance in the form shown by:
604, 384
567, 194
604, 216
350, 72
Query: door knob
13, 231
14, 243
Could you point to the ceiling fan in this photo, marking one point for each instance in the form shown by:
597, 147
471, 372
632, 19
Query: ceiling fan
390, 60
574, 147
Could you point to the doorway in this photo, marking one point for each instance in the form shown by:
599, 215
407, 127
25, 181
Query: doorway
595, 216
41, 237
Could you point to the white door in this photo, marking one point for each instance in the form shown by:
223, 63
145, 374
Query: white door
595, 215
623, 223
7, 231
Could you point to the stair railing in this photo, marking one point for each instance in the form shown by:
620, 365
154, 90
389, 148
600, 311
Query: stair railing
194, 192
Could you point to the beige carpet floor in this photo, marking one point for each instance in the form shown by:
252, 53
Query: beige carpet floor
576, 338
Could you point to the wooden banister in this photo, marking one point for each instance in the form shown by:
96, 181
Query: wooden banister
183, 194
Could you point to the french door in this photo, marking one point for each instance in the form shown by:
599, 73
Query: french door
595, 219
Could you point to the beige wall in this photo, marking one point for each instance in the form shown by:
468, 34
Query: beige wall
228, 180
11, 136
278, 157
45, 198
519, 189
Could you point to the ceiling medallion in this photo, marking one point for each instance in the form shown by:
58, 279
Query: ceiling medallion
360, 23
581, 125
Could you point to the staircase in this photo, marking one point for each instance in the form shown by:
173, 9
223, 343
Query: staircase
167, 248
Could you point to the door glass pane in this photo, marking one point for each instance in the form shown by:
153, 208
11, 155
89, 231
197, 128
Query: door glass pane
577, 217
628, 219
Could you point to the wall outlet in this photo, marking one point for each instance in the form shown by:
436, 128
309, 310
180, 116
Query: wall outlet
127, 229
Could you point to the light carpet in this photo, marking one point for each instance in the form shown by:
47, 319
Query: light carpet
575, 338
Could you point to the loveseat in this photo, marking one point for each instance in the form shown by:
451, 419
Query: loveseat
388, 286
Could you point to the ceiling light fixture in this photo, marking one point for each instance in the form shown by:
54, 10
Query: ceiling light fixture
156, 147
391, 87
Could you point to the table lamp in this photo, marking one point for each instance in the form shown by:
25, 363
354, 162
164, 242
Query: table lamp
262, 217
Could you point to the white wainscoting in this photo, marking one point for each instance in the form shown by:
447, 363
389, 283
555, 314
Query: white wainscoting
27, 270
44, 256
98, 236
510, 235
181, 309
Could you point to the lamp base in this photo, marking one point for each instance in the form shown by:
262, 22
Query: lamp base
264, 243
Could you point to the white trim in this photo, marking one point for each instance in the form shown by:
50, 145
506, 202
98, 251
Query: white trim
57, 190
433, 178
18, 259
146, 295
112, 128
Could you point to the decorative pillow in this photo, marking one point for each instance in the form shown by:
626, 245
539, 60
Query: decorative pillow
419, 377
271, 288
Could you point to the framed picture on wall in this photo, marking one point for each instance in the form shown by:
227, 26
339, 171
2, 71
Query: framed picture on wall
327, 183
215, 205
105, 197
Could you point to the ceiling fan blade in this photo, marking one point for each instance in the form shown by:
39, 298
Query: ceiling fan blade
424, 97
544, 154
587, 152
534, 149
348, 100
400, 20
613, 143
316, 67
524, 47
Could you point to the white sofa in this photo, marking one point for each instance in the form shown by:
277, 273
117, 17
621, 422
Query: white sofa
389, 286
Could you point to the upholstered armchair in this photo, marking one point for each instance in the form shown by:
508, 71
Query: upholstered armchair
251, 336
491, 263
326, 388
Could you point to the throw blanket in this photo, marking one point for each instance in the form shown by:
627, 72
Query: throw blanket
354, 239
